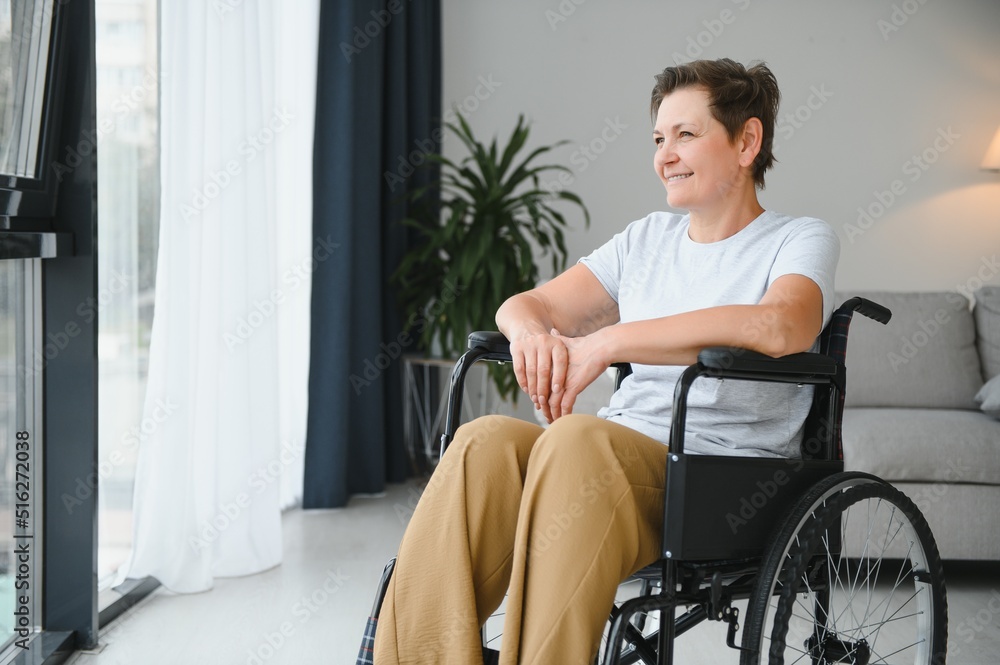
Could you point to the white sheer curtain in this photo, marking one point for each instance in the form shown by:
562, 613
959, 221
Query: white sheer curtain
228, 366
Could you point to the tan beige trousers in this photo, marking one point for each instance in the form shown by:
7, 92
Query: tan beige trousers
557, 518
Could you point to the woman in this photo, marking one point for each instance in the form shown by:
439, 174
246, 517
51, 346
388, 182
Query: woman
557, 518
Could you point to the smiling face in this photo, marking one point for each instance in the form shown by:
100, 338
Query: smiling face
698, 165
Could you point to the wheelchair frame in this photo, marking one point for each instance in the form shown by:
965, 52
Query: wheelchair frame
713, 550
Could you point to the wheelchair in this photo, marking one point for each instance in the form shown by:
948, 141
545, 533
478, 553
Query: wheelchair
833, 566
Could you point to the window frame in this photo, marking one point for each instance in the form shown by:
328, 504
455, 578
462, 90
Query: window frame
53, 216
69, 566
28, 204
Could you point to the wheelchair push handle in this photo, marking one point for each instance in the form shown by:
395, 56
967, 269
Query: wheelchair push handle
869, 308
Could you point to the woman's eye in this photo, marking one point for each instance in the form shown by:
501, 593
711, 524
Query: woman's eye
658, 140
686, 134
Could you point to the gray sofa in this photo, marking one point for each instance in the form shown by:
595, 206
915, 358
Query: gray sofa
923, 411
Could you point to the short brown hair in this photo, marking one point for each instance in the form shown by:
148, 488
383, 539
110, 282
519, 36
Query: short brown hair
735, 95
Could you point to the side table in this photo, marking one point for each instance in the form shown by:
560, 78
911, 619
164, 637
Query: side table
426, 382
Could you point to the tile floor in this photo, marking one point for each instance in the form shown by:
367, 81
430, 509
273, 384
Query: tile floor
312, 608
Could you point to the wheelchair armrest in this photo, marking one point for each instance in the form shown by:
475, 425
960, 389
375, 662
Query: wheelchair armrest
727, 359
723, 362
483, 345
495, 343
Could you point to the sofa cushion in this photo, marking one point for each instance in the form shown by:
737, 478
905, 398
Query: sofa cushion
923, 445
987, 315
925, 357
989, 397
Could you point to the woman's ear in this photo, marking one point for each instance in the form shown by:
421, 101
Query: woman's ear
750, 141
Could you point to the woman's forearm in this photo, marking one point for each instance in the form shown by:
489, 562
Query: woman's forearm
787, 320
523, 315
676, 340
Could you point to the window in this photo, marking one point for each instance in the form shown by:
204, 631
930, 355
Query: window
25, 26
128, 208
20, 436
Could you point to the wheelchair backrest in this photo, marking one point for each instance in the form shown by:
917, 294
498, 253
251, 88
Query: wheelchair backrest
822, 434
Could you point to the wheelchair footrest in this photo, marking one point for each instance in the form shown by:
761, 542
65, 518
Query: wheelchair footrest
720, 608
731, 615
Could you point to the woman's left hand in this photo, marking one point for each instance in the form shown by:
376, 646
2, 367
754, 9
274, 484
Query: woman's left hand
586, 362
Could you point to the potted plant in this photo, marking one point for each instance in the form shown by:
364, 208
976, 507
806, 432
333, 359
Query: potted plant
479, 227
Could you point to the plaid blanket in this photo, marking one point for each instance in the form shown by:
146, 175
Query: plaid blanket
367, 654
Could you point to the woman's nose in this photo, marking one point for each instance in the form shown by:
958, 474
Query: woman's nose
665, 154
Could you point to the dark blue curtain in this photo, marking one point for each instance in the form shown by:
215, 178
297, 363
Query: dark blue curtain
377, 112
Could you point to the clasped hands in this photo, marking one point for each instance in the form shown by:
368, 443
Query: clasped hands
553, 369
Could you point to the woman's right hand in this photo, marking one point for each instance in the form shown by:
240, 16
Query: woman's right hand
540, 365
577, 304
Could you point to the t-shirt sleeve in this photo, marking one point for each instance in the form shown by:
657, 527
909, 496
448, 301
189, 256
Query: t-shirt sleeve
811, 249
607, 262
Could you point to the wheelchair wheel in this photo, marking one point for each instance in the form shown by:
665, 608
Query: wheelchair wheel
853, 576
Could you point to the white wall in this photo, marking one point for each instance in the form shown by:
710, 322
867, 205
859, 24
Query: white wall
572, 66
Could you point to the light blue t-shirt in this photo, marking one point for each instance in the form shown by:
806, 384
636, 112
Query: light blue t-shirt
653, 269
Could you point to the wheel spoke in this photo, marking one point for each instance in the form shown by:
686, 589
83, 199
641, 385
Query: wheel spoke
903, 575
882, 659
894, 618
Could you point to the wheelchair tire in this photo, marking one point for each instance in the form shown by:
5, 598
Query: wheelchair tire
853, 575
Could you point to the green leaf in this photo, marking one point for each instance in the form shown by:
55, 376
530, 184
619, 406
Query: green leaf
478, 224
517, 140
